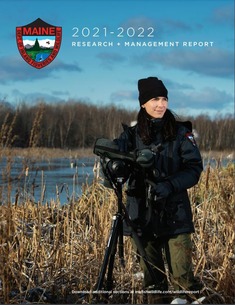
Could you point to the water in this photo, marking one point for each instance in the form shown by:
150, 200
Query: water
56, 179
213, 162
44, 181
41, 56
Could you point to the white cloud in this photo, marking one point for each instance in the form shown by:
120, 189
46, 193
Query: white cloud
214, 62
14, 68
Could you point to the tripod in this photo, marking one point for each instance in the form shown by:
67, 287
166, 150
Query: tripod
116, 237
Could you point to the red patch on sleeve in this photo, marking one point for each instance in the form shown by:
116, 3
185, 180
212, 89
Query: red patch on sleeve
190, 136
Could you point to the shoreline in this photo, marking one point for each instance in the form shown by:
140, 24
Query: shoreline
47, 153
50, 153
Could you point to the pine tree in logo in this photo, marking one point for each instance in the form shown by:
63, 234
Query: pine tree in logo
36, 46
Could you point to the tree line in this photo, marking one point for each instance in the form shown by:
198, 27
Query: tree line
76, 124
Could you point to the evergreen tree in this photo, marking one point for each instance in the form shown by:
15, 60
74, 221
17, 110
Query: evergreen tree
36, 46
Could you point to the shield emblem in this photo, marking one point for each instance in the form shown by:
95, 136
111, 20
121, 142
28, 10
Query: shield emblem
38, 42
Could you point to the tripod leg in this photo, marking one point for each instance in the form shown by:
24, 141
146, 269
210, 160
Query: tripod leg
139, 245
109, 254
143, 254
121, 245
114, 250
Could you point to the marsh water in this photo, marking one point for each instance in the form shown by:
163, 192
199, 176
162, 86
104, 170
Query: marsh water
42, 181
59, 179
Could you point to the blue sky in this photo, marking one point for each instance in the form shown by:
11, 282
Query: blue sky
199, 77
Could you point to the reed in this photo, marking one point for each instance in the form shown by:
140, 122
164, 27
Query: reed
35, 133
7, 136
49, 253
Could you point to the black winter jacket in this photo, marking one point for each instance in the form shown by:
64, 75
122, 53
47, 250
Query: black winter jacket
178, 161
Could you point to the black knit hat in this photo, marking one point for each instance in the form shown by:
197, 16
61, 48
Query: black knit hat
149, 88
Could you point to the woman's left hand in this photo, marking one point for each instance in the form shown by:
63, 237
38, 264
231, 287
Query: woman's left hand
163, 189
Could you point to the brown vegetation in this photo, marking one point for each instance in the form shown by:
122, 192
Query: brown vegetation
50, 253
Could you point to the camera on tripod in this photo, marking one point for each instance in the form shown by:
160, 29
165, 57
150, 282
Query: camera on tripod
117, 166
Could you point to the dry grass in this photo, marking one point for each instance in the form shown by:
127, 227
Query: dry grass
50, 252
45, 153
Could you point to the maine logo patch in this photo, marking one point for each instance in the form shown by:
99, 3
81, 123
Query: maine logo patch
38, 42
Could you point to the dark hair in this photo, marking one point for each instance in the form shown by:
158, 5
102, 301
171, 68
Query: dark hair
145, 129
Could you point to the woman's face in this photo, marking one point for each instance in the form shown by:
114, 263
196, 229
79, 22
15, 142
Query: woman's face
156, 107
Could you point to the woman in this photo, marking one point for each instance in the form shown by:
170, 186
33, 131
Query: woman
157, 198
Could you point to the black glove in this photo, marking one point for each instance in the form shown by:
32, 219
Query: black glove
163, 189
